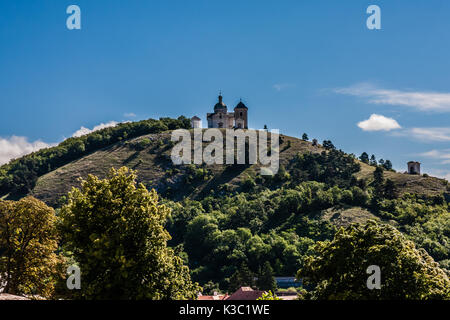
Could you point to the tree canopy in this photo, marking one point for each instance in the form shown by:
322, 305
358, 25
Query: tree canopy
29, 264
338, 268
115, 230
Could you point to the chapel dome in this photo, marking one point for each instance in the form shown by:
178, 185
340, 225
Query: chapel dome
220, 104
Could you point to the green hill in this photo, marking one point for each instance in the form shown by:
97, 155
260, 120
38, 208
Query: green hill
227, 215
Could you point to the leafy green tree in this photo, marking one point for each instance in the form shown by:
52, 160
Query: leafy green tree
387, 165
378, 177
246, 275
235, 282
115, 230
198, 236
333, 167
76, 147
210, 288
248, 184
390, 190
373, 160
327, 144
269, 296
339, 268
266, 280
359, 196
243, 277
305, 137
433, 233
28, 242
378, 184
364, 157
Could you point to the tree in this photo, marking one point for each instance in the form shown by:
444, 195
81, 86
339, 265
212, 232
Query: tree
282, 174
246, 275
266, 280
248, 184
197, 239
210, 288
305, 137
315, 142
378, 183
28, 242
378, 187
364, 157
390, 190
115, 230
269, 296
234, 282
387, 165
339, 270
327, 144
373, 160
378, 176
243, 277
265, 127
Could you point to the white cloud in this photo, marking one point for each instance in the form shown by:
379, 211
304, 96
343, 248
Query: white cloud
282, 86
421, 100
129, 115
15, 147
82, 131
429, 134
443, 155
377, 122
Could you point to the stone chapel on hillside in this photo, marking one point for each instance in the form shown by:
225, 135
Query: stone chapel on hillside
221, 118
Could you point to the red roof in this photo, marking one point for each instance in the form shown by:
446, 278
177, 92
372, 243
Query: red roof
214, 297
246, 293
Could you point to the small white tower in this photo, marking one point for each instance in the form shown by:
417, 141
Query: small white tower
196, 122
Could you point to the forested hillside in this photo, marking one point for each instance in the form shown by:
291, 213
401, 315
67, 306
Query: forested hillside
229, 218
18, 177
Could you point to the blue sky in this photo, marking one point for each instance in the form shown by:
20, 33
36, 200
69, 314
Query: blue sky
300, 66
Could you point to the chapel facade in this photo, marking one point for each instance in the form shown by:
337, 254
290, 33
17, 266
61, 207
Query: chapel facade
221, 118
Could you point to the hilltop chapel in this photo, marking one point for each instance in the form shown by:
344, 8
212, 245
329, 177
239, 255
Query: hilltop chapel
221, 118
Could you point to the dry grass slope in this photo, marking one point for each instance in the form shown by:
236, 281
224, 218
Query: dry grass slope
150, 155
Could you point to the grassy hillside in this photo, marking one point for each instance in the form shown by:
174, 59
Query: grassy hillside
407, 183
19, 176
150, 155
